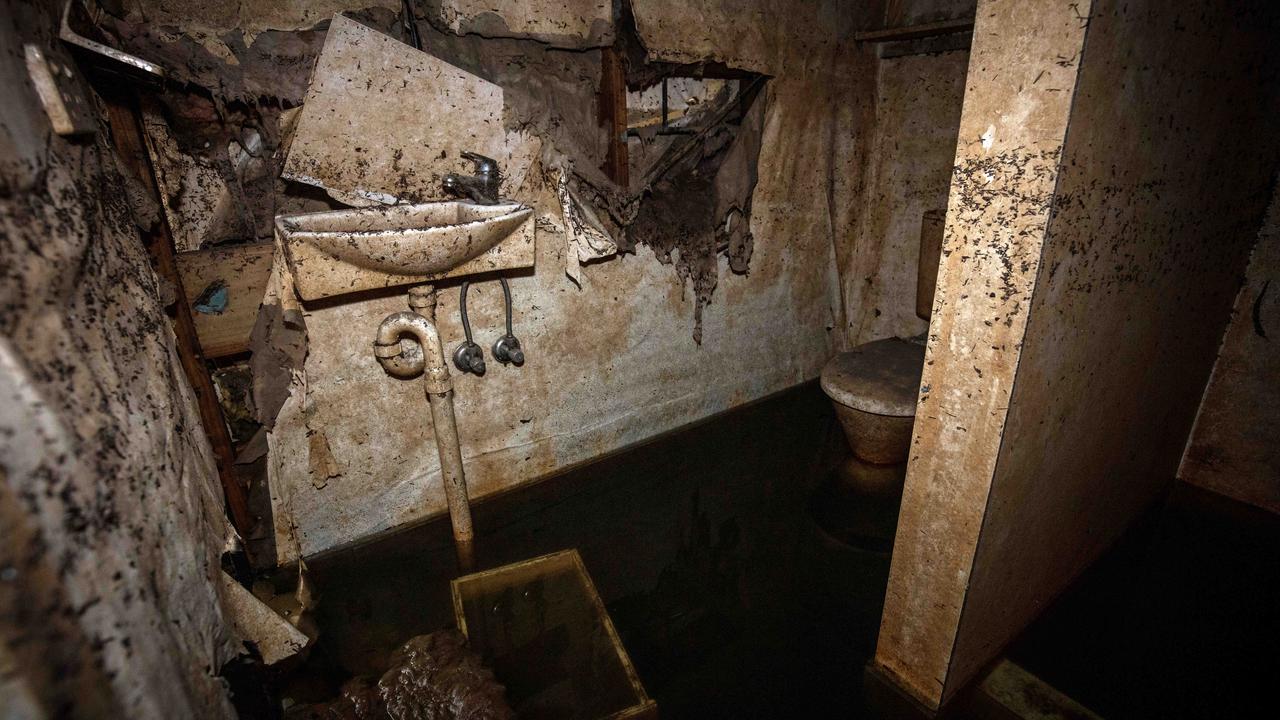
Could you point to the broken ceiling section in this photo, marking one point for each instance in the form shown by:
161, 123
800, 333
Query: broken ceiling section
570, 24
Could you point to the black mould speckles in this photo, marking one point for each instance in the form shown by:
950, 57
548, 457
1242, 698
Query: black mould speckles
1002, 202
121, 490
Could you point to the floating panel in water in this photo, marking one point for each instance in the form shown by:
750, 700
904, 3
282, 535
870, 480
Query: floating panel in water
542, 628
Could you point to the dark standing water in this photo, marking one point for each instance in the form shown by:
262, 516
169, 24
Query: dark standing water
731, 604
541, 627
700, 546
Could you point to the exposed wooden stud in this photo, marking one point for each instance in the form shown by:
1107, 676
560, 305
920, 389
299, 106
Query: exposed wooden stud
913, 32
244, 270
613, 115
126, 131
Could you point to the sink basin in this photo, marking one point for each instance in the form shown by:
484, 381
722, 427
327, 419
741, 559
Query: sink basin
344, 251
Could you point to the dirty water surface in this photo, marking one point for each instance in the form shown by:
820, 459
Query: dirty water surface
701, 548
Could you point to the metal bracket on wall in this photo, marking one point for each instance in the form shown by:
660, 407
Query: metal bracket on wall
75, 14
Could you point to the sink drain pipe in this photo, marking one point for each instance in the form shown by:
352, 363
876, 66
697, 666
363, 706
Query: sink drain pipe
407, 345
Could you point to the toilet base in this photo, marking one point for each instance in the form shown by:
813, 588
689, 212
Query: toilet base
878, 439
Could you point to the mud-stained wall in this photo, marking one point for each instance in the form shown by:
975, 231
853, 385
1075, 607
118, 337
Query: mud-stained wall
568, 24
1233, 449
610, 363
908, 172
1171, 151
1089, 268
1017, 98
111, 513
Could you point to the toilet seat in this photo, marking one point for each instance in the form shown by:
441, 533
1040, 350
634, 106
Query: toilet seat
881, 377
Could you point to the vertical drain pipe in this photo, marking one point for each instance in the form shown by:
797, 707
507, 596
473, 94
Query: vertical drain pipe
405, 359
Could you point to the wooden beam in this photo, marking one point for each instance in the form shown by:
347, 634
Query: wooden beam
612, 115
243, 270
912, 32
126, 132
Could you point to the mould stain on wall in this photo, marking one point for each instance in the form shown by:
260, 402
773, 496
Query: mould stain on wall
112, 513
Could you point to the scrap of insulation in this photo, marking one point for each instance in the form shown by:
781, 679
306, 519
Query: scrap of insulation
587, 239
253, 621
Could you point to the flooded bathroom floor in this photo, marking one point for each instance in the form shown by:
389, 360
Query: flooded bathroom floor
700, 546
1178, 620
731, 604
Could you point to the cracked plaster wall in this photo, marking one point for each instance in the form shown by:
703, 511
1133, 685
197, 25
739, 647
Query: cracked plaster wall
110, 507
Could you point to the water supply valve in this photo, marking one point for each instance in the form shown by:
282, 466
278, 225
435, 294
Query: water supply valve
507, 350
469, 358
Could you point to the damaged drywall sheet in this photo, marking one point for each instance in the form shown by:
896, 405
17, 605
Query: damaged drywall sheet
205, 198
107, 483
384, 122
572, 24
609, 363
1012, 128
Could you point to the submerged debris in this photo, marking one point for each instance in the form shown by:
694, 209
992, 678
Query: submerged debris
432, 677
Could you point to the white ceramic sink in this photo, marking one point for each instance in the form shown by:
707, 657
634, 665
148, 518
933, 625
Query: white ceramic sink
344, 251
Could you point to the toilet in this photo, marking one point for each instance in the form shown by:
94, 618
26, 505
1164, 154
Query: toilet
874, 386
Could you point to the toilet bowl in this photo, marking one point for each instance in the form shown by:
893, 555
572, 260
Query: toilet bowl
874, 386
874, 389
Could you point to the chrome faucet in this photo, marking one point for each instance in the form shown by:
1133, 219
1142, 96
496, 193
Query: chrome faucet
481, 188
